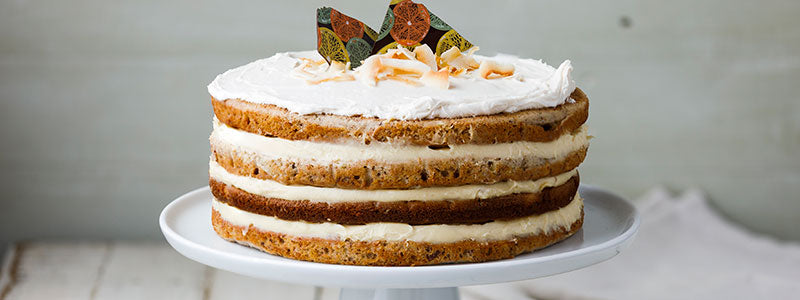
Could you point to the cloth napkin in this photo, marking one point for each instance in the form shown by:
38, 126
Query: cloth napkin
684, 250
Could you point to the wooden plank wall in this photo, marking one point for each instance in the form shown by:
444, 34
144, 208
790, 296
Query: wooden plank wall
104, 116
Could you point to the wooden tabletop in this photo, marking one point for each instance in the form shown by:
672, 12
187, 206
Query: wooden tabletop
121, 270
129, 270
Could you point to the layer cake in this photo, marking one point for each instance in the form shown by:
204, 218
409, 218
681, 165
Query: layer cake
396, 173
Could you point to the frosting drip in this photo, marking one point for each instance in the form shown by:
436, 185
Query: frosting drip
270, 81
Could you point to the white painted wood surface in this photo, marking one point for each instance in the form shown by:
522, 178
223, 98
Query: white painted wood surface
130, 270
73, 268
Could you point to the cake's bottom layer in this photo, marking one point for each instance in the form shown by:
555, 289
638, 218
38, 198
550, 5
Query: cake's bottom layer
387, 253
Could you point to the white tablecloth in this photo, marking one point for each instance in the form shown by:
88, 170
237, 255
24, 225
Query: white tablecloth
684, 250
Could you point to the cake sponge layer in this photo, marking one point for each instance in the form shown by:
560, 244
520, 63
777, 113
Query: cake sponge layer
535, 125
387, 253
377, 175
409, 212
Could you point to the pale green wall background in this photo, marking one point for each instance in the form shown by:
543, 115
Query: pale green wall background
105, 116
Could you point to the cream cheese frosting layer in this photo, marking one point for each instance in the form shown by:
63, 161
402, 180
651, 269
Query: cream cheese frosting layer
274, 189
437, 233
269, 81
299, 150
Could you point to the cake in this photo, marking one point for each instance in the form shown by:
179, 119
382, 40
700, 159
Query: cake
412, 158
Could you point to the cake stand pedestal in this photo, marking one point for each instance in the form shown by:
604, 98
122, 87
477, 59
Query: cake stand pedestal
609, 226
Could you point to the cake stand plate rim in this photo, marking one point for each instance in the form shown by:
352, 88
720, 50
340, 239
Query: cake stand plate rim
186, 224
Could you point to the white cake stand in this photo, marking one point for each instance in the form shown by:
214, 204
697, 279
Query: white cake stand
609, 226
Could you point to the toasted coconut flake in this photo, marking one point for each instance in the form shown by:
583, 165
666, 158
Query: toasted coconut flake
440, 79
400, 53
311, 62
418, 67
394, 65
368, 72
425, 55
405, 79
489, 67
466, 62
315, 72
454, 57
450, 54
345, 77
471, 51
455, 72
303, 73
337, 66
301, 70
339, 77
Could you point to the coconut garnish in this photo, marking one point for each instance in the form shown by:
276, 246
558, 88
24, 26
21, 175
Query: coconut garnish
440, 79
418, 67
402, 66
318, 71
425, 54
454, 58
489, 67
401, 53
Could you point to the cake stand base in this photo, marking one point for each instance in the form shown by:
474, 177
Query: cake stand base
450, 293
609, 224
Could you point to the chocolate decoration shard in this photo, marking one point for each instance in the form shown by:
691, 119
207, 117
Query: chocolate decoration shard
411, 24
345, 39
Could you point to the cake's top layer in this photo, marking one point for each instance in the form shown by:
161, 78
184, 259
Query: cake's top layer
270, 81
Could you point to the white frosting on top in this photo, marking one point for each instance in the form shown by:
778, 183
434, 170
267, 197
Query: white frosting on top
270, 81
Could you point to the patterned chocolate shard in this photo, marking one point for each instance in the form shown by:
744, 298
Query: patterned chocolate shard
411, 24
345, 39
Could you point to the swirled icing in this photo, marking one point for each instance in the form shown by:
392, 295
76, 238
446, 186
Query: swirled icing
270, 81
